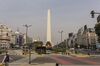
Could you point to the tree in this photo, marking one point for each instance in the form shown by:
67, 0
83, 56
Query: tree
97, 26
37, 44
97, 30
98, 19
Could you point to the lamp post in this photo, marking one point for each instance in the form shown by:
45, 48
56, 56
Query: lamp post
27, 26
61, 34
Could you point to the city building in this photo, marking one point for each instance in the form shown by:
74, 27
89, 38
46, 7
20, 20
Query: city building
19, 39
86, 37
13, 38
71, 40
5, 36
79, 36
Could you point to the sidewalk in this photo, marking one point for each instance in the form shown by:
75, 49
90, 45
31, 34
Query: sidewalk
84, 55
80, 55
26, 64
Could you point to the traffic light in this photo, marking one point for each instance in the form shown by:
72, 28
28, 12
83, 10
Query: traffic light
92, 14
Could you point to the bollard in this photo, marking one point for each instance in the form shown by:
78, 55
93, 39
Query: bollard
57, 64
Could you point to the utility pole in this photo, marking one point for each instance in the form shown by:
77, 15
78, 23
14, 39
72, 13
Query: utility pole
27, 26
61, 34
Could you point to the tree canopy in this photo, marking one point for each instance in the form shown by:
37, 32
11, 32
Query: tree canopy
97, 30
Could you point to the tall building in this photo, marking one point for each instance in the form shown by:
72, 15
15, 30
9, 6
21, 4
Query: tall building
49, 28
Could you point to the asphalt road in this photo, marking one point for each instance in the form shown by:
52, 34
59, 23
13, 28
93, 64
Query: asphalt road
12, 57
67, 60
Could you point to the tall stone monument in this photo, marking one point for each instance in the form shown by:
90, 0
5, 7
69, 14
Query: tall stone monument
48, 43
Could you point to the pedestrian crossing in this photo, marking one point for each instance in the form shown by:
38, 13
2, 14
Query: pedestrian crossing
62, 60
75, 60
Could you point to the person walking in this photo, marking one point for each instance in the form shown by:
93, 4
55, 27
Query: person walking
6, 59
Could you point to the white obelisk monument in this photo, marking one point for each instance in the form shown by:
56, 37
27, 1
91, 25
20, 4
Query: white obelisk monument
49, 26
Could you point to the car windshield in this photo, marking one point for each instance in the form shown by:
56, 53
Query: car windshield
49, 32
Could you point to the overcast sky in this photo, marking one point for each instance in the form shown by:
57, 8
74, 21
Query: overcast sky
67, 15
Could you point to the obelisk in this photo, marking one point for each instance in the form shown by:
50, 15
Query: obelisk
49, 26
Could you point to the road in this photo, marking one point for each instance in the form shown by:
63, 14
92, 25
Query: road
66, 60
38, 60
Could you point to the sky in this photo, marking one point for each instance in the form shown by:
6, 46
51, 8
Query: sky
67, 15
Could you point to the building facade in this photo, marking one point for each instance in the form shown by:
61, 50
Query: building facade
79, 36
5, 36
86, 37
19, 39
71, 41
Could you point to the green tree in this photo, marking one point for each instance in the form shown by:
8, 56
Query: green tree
37, 44
97, 30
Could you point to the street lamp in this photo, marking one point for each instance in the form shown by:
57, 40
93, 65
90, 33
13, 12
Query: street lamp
61, 34
29, 47
27, 26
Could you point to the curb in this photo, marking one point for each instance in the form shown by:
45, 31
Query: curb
77, 55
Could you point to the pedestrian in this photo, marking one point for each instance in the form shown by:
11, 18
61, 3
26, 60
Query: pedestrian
88, 53
6, 59
68, 53
57, 64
